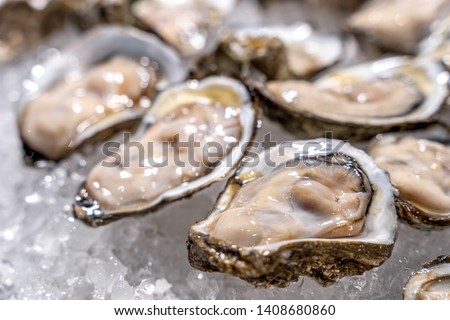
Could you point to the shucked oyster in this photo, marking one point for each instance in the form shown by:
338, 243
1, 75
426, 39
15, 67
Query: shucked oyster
430, 283
192, 136
396, 25
281, 52
420, 170
188, 25
360, 101
319, 208
84, 93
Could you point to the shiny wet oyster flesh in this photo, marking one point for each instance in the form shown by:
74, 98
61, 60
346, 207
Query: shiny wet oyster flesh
360, 101
323, 209
419, 170
192, 136
396, 25
283, 52
61, 118
430, 283
188, 25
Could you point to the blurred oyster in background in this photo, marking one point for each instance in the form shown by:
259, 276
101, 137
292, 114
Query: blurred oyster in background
103, 82
333, 4
58, 120
360, 101
279, 51
188, 25
91, 12
396, 25
26, 23
23, 26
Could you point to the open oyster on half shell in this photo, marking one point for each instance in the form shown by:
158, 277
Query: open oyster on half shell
361, 100
396, 25
279, 51
320, 208
105, 80
430, 283
193, 135
418, 163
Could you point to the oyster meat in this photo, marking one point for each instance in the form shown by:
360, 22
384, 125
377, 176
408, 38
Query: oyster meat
192, 136
420, 170
320, 208
430, 283
359, 101
396, 25
108, 88
282, 51
188, 25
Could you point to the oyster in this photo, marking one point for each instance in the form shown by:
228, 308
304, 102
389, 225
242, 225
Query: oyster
396, 25
420, 170
188, 25
281, 51
320, 208
430, 283
360, 101
106, 80
215, 113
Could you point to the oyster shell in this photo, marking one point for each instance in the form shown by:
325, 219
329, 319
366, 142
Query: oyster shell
320, 208
396, 25
188, 25
359, 101
78, 95
281, 51
419, 169
216, 112
430, 283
